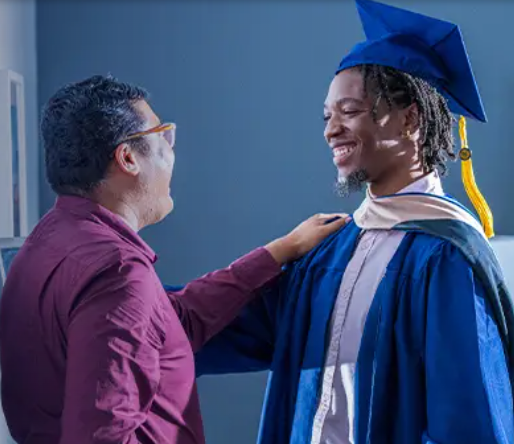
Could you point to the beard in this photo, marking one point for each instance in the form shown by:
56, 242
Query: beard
352, 183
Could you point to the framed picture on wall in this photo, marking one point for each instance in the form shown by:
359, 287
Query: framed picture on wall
13, 171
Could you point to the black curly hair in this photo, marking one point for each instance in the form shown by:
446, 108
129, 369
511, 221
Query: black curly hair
81, 126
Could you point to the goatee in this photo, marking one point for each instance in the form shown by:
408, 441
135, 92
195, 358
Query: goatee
352, 183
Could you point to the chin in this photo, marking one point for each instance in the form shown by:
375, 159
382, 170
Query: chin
344, 173
352, 182
168, 208
164, 210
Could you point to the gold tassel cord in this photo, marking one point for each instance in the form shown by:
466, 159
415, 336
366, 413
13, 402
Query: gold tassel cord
468, 178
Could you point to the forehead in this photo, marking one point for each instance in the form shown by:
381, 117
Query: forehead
145, 111
347, 85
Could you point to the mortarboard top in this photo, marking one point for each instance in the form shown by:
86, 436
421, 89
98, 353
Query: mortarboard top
422, 46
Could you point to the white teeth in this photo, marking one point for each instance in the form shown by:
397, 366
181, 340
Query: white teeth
343, 151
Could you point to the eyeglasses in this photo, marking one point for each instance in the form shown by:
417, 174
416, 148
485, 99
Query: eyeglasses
167, 130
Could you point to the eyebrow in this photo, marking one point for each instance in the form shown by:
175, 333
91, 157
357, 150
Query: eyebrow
344, 101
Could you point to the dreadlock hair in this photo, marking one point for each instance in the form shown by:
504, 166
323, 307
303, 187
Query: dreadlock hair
436, 121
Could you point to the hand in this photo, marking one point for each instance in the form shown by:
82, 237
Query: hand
306, 236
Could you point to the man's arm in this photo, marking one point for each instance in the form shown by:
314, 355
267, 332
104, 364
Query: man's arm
247, 343
207, 305
469, 396
112, 374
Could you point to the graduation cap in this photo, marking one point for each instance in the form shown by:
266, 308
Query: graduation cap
434, 51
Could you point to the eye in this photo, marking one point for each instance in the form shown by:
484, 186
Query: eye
351, 112
326, 118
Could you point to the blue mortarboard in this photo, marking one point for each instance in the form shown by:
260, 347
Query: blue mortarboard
433, 50
422, 46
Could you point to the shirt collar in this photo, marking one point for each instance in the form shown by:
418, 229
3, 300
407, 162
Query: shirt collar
87, 209
428, 184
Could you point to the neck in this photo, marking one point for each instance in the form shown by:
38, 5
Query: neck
117, 205
395, 182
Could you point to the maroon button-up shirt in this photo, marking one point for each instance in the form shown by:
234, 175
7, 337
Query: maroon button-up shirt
92, 349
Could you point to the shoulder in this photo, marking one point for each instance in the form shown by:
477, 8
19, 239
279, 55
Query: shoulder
332, 253
100, 263
452, 237
119, 270
125, 295
124, 286
69, 239
422, 253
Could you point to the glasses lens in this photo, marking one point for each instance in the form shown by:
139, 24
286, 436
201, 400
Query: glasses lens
169, 135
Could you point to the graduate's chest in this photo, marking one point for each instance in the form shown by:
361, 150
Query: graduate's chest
356, 291
349, 291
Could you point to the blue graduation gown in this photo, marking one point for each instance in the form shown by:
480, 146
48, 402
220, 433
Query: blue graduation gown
433, 366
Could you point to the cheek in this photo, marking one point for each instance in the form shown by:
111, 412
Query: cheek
160, 171
366, 136
373, 157
167, 161
372, 148
171, 162
361, 126
374, 136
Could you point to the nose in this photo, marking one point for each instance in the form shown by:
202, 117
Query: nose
333, 128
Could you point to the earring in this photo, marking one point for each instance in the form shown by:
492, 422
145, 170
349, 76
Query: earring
406, 134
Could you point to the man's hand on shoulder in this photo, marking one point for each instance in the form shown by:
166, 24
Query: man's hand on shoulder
306, 236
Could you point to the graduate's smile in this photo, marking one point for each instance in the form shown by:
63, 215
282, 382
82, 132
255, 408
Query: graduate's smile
343, 152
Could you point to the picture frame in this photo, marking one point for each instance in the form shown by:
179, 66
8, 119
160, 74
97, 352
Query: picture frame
13, 154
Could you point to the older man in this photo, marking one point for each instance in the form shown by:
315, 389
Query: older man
92, 348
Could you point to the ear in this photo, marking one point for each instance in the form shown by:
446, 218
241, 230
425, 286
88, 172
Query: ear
126, 160
411, 119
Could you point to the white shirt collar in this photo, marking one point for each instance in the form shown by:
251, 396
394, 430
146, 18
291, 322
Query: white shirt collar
429, 184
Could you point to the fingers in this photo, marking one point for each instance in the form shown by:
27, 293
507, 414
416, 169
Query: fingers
336, 222
330, 215
333, 217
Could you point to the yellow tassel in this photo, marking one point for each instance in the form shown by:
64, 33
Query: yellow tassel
468, 178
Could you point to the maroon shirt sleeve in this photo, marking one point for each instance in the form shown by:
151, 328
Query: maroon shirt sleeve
206, 305
114, 338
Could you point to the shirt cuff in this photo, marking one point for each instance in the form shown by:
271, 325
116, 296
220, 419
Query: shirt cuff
256, 268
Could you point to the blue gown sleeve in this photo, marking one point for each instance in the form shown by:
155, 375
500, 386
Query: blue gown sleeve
468, 391
247, 344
